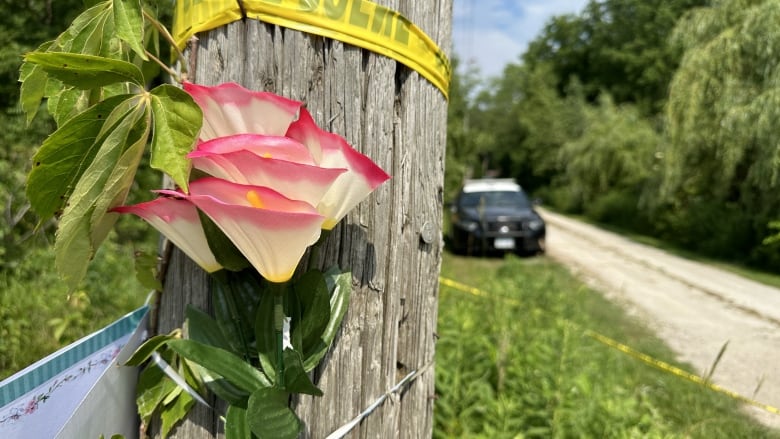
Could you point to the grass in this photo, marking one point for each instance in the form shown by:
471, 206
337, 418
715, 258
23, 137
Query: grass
516, 363
38, 316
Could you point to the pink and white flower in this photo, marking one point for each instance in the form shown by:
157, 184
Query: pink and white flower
271, 230
276, 180
224, 103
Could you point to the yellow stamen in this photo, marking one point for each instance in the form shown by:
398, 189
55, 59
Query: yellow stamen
254, 199
329, 224
267, 155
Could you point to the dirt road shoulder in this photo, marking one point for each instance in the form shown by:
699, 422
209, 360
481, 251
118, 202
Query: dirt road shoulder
693, 307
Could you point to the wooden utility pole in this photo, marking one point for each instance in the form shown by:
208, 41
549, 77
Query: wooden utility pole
391, 242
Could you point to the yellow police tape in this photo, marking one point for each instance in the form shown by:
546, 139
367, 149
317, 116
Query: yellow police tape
658, 364
358, 22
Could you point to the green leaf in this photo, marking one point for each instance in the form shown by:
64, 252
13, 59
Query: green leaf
223, 249
221, 362
65, 102
84, 222
313, 301
236, 426
89, 33
249, 286
340, 285
176, 412
171, 397
65, 155
153, 387
295, 378
204, 329
147, 348
265, 336
129, 24
33, 80
119, 182
270, 417
225, 320
86, 71
177, 122
222, 387
234, 300
146, 270
33, 87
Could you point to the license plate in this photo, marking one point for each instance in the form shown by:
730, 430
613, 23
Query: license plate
504, 243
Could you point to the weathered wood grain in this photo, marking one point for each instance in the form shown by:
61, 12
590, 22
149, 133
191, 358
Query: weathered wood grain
398, 118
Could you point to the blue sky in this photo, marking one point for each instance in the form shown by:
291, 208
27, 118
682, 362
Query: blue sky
492, 33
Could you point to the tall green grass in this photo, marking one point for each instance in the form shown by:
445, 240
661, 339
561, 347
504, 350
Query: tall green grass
38, 315
516, 364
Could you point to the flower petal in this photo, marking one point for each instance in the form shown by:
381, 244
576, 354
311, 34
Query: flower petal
297, 181
293, 180
240, 195
306, 131
231, 109
351, 187
178, 220
271, 231
277, 147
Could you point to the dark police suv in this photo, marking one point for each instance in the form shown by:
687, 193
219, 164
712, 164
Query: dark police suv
495, 215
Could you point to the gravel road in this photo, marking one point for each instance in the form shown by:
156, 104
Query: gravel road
693, 307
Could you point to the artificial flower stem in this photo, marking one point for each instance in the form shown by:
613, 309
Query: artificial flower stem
279, 291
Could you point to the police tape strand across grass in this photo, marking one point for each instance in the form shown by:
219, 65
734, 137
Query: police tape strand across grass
628, 350
519, 364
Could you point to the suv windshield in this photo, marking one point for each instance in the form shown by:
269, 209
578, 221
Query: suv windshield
496, 198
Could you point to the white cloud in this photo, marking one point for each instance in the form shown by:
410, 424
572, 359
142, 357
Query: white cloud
493, 33
491, 51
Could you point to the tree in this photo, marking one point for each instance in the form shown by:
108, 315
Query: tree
619, 46
606, 169
461, 132
723, 116
549, 121
521, 121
